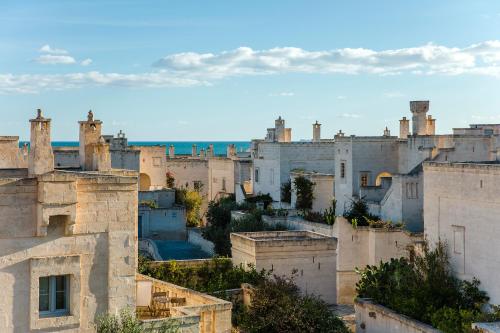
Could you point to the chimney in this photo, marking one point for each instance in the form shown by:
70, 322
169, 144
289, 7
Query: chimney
340, 134
430, 125
419, 111
279, 128
41, 157
404, 128
231, 150
101, 157
316, 132
90, 134
194, 151
171, 151
387, 132
210, 150
202, 153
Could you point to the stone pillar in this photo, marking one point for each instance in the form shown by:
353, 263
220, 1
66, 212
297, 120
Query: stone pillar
430, 125
202, 153
194, 151
404, 128
210, 150
90, 134
101, 157
279, 129
231, 151
171, 151
41, 157
316, 132
387, 132
419, 111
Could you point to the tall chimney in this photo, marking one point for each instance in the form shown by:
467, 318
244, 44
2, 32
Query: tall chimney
90, 134
404, 128
387, 132
316, 132
202, 153
430, 125
41, 157
419, 111
210, 150
171, 151
194, 151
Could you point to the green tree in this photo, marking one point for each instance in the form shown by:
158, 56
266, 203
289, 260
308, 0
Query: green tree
127, 322
286, 191
304, 188
191, 200
278, 307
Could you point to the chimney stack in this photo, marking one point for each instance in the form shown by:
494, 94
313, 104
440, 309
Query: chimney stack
316, 132
90, 135
404, 128
171, 151
419, 111
41, 157
194, 151
387, 132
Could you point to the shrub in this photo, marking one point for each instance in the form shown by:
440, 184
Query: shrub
217, 275
127, 322
277, 306
423, 287
358, 213
286, 191
191, 200
265, 199
170, 180
304, 188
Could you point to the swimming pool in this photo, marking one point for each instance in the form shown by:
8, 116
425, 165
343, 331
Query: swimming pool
179, 250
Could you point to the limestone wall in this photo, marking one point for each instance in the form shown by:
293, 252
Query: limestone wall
461, 207
221, 175
312, 259
374, 318
95, 244
153, 164
11, 156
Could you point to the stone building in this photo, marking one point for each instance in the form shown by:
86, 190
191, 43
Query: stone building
311, 256
387, 170
276, 156
67, 239
462, 208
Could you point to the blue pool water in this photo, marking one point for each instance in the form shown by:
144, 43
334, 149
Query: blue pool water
179, 250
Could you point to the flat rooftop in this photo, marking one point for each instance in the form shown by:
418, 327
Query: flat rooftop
286, 236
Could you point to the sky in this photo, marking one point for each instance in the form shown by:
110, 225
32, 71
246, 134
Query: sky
224, 70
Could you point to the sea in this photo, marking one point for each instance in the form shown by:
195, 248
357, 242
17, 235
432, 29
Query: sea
181, 147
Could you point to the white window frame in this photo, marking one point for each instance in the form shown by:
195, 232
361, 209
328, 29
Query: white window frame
53, 312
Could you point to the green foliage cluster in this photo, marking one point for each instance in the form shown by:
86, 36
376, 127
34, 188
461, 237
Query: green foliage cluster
265, 199
217, 275
278, 307
326, 217
150, 203
280, 212
127, 322
191, 200
358, 213
286, 191
220, 224
305, 196
423, 287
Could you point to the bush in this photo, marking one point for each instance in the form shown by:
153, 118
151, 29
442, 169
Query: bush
358, 214
126, 322
423, 287
277, 306
217, 275
265, 199
304, 188
170, 180
326, 217
286, 191
192, 201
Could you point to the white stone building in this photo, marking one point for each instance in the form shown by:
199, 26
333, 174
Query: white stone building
462, 208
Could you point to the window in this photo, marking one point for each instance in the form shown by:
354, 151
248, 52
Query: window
224, 184
257, 175
197, 185
364, 180
53, 295
342, 170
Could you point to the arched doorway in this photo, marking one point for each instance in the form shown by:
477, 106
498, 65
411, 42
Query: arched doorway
144, 182
378, 180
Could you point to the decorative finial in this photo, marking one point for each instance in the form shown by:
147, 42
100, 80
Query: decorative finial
39, 114
90, 116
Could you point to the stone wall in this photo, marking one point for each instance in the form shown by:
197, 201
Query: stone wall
375, 318
461, 208
153, 164
11, 156
86, 227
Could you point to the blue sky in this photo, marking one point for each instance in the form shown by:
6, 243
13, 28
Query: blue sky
224, 70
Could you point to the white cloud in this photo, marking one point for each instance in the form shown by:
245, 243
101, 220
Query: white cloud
52, 59
191, 69
47, 49
482, 58
393, 94
86, 62
341, 97
350, 115
282, 94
